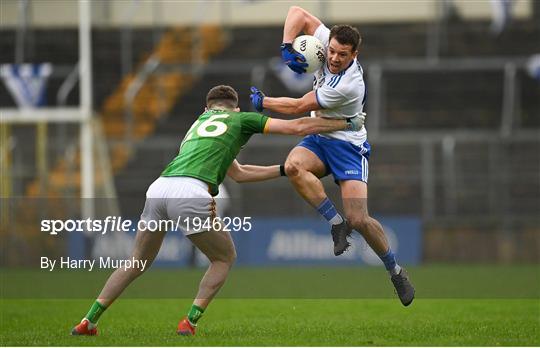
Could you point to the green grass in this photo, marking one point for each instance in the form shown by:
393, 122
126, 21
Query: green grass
279, 322
455, 305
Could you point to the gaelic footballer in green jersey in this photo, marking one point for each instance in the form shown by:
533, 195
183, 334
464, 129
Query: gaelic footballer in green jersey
186, 186
212, 143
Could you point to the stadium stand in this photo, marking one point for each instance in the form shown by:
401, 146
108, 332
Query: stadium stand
431, 100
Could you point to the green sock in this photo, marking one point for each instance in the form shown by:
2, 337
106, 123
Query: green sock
95, 312
195, 314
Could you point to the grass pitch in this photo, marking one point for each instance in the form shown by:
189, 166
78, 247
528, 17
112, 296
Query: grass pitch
279, 322
510, 317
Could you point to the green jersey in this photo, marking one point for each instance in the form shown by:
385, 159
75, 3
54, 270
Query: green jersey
212, 143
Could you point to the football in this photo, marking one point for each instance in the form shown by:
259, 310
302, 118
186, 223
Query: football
313, 49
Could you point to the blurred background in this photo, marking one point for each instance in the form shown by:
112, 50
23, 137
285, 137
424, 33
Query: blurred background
96, 97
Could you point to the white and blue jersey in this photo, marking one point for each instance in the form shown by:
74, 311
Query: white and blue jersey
345, 154
340, 95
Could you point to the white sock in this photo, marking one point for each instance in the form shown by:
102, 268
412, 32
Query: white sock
396, 270
336, 220
90, 324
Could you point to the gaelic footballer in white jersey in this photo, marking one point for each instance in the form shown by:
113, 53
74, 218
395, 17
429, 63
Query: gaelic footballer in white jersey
340, 95
339, 91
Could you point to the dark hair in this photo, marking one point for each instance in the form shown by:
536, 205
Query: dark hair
222, 95
346, 35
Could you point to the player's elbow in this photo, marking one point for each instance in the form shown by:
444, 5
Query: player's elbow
239, 175
241, 179
235, 178
296, 10
238, 178
235, 174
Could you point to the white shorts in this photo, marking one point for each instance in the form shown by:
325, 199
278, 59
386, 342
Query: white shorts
182, 201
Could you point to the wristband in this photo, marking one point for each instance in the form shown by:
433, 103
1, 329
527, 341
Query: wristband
282, 170
285, 45
350, 125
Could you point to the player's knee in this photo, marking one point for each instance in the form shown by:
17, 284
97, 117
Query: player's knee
228, 258
292, 167
359, 222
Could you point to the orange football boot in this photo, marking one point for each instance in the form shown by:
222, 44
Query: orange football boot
185, 328
85, 328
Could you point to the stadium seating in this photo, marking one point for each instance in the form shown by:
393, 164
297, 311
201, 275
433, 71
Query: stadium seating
413, 101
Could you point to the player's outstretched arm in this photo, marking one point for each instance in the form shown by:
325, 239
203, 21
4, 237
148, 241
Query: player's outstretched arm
299, 20
250, 173
284, 105
313, 125
292, 106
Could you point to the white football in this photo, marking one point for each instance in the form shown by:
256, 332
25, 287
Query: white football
313, 49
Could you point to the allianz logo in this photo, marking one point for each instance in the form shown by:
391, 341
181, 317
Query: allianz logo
304, 245
307, 245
